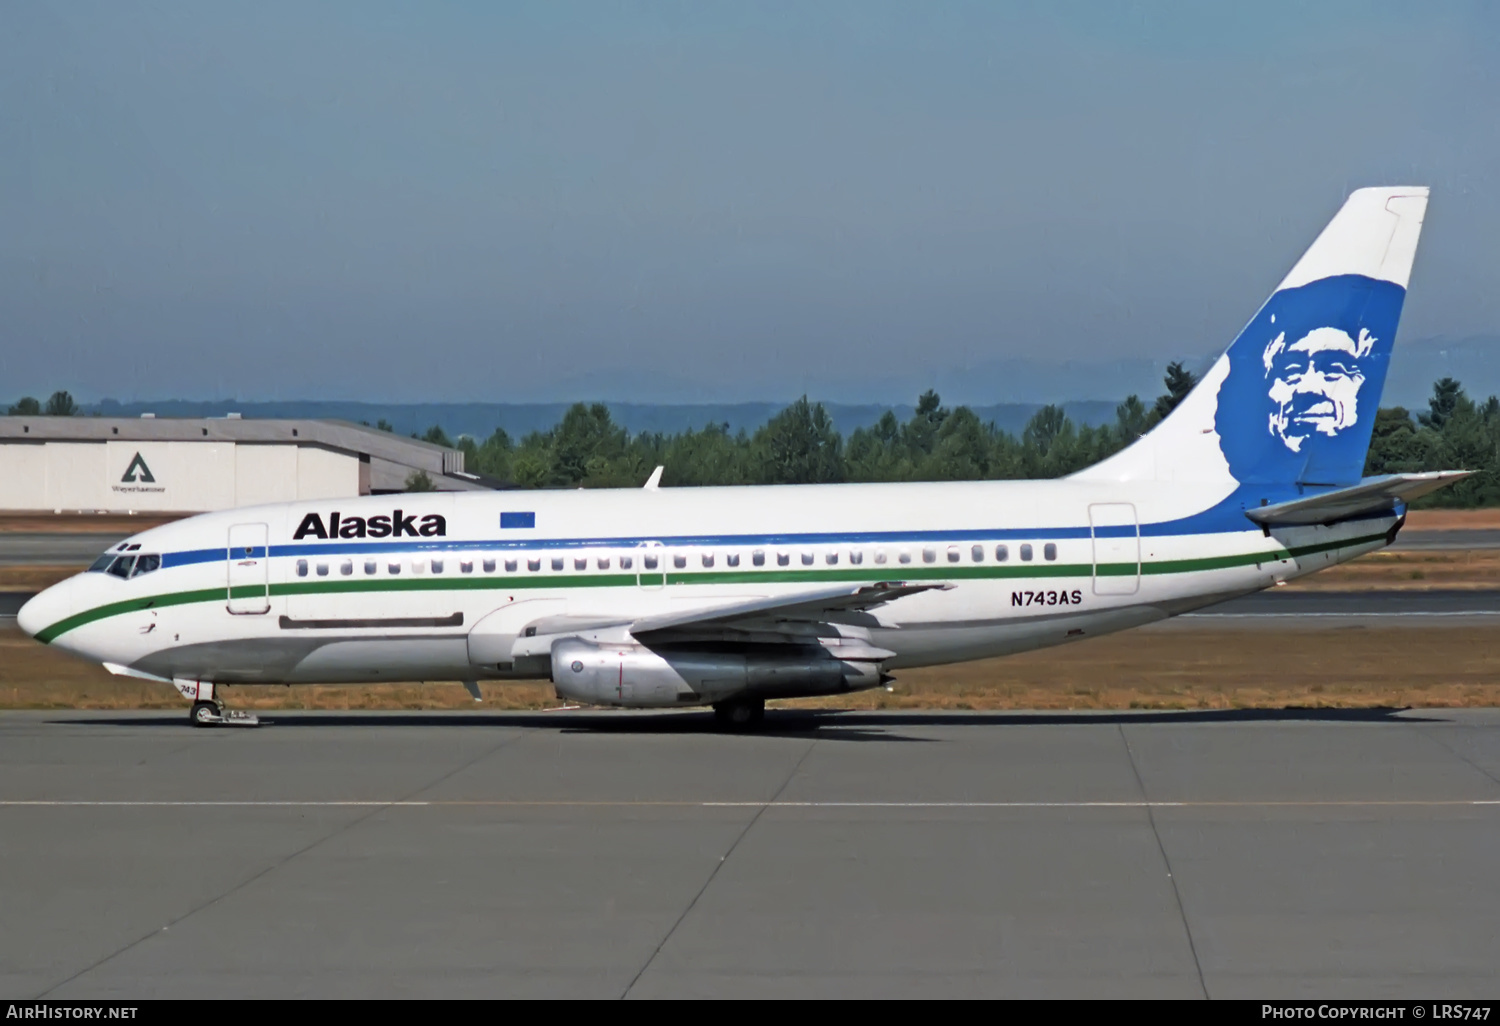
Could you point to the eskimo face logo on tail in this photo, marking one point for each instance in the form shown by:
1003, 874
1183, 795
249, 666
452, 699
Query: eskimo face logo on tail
1305, 378
1315, 383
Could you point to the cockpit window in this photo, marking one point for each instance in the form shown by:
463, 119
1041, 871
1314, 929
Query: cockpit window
146, 563
121, 566
102, 563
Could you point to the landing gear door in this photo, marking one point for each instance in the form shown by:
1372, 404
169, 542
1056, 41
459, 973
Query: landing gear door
249, 570
1117, 548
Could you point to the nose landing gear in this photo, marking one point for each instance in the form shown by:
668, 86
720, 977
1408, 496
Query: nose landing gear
207, 710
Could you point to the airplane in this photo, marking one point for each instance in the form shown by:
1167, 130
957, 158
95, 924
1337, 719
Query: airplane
727, 597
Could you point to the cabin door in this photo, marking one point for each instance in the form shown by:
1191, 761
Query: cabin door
1117, 548
249, 569
651, 564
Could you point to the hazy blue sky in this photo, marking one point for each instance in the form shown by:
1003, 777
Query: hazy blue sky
704, 201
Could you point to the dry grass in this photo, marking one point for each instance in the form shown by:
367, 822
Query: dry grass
1452, 519
84, 523
1150, 668
1417, 570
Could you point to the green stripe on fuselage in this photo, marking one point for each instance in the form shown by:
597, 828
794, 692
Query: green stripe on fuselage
811, 575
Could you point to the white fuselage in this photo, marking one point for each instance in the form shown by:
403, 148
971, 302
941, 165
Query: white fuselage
257, 596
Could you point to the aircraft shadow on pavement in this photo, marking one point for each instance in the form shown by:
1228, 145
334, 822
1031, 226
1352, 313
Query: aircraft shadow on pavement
825, 724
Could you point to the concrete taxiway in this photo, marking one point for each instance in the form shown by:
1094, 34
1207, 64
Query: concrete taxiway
1225, 854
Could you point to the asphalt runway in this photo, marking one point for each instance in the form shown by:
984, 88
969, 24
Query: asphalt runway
1255, 854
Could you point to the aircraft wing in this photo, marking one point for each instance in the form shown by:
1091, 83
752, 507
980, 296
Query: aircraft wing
1372, 495
800, 617
809, 607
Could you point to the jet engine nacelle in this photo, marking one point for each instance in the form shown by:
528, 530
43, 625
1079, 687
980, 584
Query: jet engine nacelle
638, 677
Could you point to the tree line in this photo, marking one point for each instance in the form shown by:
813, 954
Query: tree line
800, 445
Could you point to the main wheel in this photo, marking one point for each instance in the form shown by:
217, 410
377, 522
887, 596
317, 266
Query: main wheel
740, 713
203, 714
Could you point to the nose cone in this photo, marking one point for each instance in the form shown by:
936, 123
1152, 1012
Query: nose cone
45, 609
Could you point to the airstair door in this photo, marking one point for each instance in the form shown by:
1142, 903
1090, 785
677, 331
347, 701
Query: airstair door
1117, 548
249, 569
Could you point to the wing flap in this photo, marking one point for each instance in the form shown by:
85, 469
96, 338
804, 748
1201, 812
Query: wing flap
1372, 495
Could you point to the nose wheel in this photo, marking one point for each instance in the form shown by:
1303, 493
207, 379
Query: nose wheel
212, 714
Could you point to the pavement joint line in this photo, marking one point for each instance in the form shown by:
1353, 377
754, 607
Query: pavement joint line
603, 803
272, 867
1187, 927
718, 866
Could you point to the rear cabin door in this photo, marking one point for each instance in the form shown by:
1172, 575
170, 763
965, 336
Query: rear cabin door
249, 569
1117, 548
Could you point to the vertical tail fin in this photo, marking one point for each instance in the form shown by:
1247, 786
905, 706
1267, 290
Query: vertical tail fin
1293, 399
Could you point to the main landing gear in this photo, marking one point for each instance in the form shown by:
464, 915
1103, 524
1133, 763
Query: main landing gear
740, 713
207, 710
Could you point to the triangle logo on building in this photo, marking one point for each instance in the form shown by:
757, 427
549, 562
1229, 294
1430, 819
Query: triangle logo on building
138, 466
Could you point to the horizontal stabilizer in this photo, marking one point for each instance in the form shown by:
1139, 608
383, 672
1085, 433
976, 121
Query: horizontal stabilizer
1372, 495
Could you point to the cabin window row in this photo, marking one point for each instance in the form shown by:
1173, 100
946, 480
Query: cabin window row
650, 560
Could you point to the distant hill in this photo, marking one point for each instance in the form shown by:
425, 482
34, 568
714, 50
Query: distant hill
479, 420
1474, 360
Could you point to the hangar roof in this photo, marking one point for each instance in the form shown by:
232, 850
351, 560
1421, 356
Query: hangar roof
445, 466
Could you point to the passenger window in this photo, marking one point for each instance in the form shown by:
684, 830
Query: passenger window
603, 562
856, 556
880, 556
758, 557
145, 564
977, 553
1002, 553
534, 564
580, 562
370, 566
626, 562
649, 561
831, 558
953, 556
557, 562
929, 554
904, 557
511, 566
732, 559
466, 566
783, 558
708, 559
679, 561
301, 568
1026, 553
322, 569
393, 567
1049, 551
346, 568
807, 559
437, 566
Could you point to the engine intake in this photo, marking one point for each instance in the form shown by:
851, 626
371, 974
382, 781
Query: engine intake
638, 677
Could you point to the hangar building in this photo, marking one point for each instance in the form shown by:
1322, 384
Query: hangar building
114, 464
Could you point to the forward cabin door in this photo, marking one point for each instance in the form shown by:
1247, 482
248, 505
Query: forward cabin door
1117, 548
651, 565
249, 569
